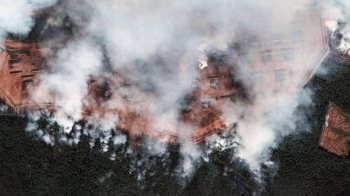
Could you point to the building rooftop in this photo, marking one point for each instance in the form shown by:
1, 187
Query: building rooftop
279, 62
282, 61
336, 131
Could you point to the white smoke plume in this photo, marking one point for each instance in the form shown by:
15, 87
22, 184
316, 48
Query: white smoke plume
16, 17
337, 18
3, 108
72, 68
156, 45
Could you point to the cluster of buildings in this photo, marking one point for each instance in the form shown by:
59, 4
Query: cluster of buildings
279, 62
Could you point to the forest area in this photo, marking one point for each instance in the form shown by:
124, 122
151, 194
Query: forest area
28, 166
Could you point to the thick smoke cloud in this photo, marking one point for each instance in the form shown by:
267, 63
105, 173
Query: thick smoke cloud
157, 46
74, 66
337, 18
16, 17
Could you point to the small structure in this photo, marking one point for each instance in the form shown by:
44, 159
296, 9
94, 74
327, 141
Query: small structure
336, 131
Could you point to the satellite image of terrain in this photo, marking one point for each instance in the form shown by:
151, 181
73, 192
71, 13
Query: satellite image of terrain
161, 97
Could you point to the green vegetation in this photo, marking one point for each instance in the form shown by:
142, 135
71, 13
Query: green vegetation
304, 167
341, 132
28, 166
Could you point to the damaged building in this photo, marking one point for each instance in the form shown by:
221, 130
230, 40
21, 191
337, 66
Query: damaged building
279, 62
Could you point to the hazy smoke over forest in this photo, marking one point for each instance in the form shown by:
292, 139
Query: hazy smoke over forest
157, 45
337, 17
